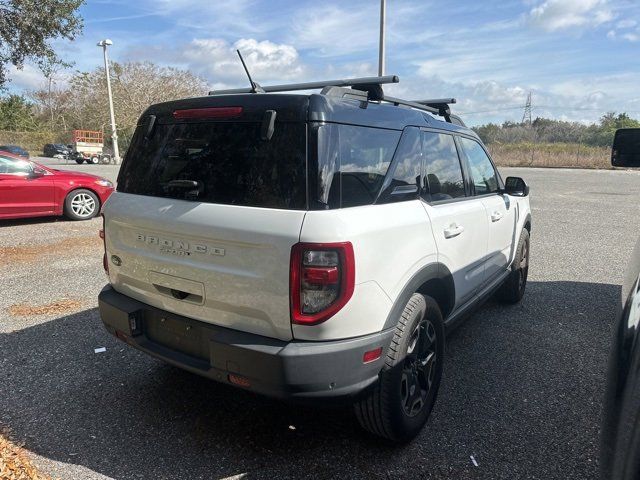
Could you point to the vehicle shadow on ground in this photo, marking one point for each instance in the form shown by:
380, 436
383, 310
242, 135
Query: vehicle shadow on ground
125, 415
31, 221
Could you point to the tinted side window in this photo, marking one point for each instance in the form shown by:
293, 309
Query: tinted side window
485, 179
442, 167
404, 180
352, 163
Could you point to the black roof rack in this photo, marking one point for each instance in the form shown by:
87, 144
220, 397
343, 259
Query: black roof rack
347, 82
366, 88
441, 104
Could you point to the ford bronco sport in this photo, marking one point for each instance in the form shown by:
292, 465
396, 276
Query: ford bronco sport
310, 246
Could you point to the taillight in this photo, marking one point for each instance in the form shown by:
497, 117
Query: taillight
321, 281
210, 112
101, 233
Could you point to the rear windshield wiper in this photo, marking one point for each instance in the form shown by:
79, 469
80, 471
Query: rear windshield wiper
193, 187
183, 184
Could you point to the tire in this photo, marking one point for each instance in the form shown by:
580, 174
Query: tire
93, 160
79, 160
81, 204
512, 290
394, 409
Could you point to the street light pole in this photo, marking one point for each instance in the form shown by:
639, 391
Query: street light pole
114, 133
383, 8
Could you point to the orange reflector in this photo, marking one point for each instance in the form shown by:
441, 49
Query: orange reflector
372, 355
240, 381
122, 336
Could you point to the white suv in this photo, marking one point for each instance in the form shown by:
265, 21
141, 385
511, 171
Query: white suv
310, 246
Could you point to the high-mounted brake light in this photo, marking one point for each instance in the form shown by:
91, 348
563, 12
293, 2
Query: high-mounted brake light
211, 112
322, 279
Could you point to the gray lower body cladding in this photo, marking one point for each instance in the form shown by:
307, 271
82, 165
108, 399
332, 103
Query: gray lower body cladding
294, 369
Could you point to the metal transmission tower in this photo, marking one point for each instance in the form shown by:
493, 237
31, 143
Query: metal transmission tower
526, 117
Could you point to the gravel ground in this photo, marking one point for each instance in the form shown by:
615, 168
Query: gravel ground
521, 392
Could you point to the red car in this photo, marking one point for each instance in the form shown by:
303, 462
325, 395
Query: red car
28, 189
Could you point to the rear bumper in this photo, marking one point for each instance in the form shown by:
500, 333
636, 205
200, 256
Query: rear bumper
273, 367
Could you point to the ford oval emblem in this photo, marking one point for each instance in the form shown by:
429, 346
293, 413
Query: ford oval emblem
116, 260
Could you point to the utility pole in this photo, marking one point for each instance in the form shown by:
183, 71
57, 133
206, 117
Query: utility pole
114, 133
383, 8
526, 117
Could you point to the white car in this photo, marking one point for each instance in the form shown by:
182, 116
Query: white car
310, 246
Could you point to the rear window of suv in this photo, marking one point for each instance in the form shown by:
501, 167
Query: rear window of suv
220, 162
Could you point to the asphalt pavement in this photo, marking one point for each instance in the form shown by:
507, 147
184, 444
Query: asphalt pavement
521, 393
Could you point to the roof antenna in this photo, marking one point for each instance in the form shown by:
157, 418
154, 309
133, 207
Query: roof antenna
255, 87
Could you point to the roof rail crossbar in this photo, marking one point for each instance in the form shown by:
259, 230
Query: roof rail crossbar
439, 107
442, 104
407, 103
347, 82
437, 101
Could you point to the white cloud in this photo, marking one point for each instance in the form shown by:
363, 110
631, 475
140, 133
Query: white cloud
626, 29
622, 24
625, 34
27, 78
349, 70
217, 60
330, 30
478, 102
553, 15
599, 93
210, 16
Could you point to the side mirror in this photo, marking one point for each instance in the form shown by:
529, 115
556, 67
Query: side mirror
516, 186
37, 172
626, 148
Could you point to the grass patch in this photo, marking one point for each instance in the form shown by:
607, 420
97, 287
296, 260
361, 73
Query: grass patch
572, 155
69, 246
61, 306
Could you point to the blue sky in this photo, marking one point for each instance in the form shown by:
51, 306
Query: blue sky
580, 58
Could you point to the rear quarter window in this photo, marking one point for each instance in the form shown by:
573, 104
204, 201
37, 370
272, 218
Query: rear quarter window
352, 163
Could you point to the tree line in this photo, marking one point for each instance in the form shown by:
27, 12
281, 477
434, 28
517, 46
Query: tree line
81, 102
545, 130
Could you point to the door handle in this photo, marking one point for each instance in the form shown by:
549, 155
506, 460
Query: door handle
453, 231
495, 216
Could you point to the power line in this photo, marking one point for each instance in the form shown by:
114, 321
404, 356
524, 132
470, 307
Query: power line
516, 107
543, 107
